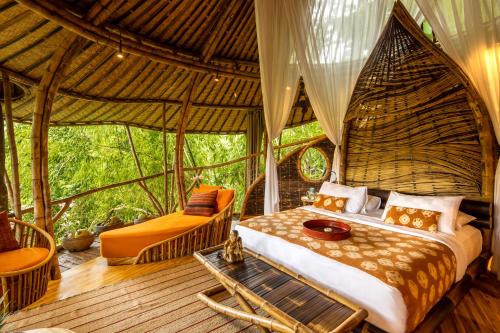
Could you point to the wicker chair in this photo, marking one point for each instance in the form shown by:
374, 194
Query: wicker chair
213, 232
23, 287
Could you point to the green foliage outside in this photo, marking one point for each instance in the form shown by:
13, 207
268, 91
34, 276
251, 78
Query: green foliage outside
86, 157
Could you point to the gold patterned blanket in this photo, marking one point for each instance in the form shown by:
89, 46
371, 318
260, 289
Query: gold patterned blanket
421, 269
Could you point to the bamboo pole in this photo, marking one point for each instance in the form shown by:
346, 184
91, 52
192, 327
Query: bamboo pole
47, 89
179, 140
171, 207
14, 160
165, 156
40, 129
8, 185
154, 201
4, 200
129, 100
92, 31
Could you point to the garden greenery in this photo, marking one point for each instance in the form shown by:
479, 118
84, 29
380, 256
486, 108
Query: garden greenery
85, 157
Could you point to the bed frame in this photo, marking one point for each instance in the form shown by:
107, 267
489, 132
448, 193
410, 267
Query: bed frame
484, 222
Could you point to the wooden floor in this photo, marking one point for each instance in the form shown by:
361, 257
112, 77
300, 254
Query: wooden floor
68, 260
479, 311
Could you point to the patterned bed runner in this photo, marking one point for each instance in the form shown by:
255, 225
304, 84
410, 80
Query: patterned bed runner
421, 269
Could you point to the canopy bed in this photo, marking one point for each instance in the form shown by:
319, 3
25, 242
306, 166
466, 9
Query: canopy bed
414, 124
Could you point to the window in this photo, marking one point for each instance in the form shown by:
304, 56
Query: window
314, 165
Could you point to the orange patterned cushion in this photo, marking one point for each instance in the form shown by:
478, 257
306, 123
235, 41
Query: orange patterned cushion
202, 204
334, 204
413, 218
7, 240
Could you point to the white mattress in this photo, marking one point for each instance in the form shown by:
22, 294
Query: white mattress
383, 302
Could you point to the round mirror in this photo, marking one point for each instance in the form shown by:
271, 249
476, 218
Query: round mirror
314, 165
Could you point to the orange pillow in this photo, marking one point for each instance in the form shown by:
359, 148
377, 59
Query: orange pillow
202, 204
413, 218
334, 204
7, 240
224, 196
208, 188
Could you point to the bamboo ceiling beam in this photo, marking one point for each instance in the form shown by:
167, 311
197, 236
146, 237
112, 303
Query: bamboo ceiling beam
100, 35
23, 79
235, 63
46, 92
4, 198
216, 32
14, 160
179, 140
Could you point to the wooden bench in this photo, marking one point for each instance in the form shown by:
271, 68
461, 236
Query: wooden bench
293, 303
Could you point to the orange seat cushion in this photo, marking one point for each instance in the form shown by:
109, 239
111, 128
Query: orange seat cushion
19, 259
129, 241
224, 196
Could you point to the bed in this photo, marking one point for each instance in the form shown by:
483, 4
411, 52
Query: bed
384, 302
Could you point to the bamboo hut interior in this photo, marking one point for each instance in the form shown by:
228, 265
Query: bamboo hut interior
416, 126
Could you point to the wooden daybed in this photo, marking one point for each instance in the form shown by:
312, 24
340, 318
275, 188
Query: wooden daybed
182, 235
25, 273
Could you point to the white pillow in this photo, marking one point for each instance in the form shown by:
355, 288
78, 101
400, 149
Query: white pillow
447, 205
463, 219
372, 204
357, 195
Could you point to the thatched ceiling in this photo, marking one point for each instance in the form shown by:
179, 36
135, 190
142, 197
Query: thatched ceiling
164, 40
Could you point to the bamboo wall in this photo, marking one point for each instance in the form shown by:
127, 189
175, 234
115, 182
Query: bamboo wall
292, 185
415, 124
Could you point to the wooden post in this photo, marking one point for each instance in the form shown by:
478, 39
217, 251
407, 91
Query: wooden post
165, 156
40, 132
69, 46
4, 199
253, 144
179, 139
16, 188
8, 185
154, 201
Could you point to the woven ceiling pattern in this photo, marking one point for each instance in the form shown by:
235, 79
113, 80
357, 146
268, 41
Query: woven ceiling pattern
99, 88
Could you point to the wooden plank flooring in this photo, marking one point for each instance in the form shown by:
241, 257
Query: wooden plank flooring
68, 260
479, 311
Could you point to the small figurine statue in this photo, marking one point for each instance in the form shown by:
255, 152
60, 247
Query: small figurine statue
233, 248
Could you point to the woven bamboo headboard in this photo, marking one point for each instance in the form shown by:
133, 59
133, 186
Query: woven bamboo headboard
415, 123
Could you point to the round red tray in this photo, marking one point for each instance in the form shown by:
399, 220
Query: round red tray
326, 229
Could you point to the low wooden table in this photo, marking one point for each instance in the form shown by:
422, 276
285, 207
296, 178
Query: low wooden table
293, 303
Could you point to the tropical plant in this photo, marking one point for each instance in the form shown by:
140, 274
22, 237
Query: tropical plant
86, 157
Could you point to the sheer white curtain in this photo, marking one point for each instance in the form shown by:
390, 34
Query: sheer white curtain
279, 79
332, 40
469, 31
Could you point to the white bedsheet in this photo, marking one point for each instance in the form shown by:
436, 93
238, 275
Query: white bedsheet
383, 302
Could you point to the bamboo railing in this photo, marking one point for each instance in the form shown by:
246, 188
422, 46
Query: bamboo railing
66, 202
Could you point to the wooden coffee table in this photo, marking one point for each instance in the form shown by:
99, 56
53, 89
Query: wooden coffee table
293, 303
